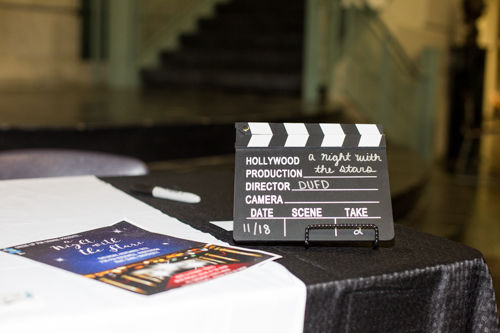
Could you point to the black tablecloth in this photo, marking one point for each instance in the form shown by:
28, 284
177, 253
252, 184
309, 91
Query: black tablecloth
421, 283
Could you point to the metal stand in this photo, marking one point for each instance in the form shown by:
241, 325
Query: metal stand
342, 226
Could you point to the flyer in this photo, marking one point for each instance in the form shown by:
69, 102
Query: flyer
131, 258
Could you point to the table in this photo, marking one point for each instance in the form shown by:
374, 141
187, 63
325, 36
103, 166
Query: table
420, 284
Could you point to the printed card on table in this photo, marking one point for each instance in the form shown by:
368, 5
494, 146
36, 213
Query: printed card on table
126, 256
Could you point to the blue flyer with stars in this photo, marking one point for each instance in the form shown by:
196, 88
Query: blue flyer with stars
131, 258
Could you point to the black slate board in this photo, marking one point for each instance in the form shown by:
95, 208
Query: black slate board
328, 179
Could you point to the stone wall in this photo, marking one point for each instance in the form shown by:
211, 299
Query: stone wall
40, 44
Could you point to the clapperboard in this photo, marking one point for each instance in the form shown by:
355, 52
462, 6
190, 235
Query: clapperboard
297, 182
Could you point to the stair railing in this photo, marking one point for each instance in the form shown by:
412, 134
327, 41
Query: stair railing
161, 22
370, 73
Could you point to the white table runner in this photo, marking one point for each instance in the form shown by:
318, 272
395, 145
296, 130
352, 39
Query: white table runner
41, 298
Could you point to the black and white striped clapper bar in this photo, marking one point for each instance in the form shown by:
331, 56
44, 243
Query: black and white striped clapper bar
312, 183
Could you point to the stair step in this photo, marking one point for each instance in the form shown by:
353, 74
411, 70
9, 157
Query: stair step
222, 10
228, 80
263, 6
233, 23
240, 40
259, 19
252, 60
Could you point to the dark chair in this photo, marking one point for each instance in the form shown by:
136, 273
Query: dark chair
35, 163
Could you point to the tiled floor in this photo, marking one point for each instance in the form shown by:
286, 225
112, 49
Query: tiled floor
466, 207
84, 108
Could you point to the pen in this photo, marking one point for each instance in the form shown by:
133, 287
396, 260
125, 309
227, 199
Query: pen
166, 193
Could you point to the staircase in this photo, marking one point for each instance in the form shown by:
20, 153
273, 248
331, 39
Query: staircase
248, 46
